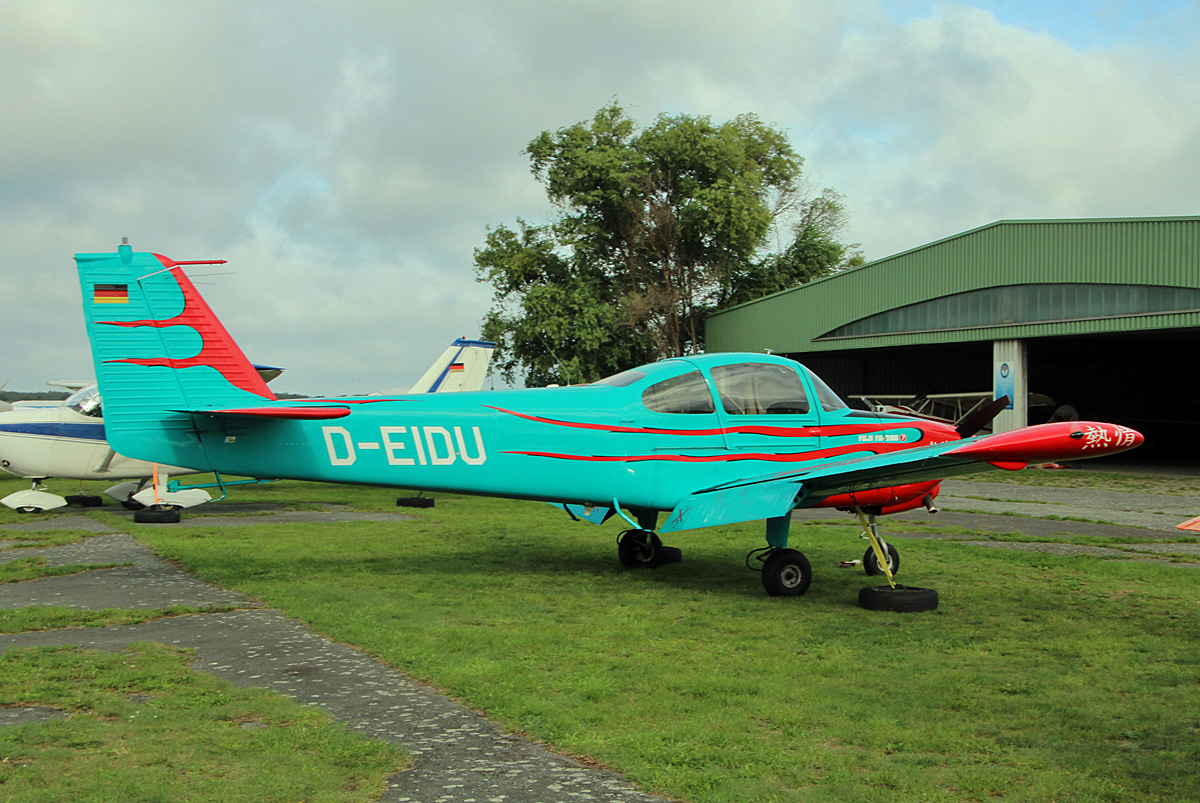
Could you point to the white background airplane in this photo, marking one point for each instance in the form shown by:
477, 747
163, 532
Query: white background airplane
66, 440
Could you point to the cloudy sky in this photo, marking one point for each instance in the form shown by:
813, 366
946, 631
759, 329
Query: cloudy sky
347, 158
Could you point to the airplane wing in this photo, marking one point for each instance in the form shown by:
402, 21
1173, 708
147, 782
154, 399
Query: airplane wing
774, 495
71, 384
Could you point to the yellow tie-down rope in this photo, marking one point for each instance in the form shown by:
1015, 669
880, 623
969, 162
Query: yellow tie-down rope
880, 554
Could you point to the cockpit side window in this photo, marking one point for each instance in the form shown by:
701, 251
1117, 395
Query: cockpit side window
687, 393
622, 379
760, 389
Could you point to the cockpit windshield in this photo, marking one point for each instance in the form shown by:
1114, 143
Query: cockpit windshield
829, 400
85, 402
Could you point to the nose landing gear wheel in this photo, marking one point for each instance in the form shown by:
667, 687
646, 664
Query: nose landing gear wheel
871, 563
786, 573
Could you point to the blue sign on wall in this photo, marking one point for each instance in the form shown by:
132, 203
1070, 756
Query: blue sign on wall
1006, 384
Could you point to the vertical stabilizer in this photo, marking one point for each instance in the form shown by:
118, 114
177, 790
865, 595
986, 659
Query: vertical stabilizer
463, 366
159, 352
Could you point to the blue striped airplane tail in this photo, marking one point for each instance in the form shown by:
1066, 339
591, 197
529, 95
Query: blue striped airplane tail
160, 355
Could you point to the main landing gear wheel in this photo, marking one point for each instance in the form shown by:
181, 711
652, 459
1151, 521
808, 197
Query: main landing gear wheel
644, 549
871, 563
901, 599
157, 515
786, 573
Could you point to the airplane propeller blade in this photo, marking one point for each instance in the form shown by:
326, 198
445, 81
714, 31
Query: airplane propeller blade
980, 417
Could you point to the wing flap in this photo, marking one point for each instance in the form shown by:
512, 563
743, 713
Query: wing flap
733, 505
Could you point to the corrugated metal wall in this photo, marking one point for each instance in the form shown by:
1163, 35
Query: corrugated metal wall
1149, 251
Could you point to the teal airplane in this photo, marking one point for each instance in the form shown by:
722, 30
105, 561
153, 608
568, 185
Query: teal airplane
706, 440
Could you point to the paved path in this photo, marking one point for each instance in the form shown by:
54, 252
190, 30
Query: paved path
458, 755
1150, 511
1003, 508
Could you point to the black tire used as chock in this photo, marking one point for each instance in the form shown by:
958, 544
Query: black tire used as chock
669, 554
901, 599
85, 500
157, 515
414, 501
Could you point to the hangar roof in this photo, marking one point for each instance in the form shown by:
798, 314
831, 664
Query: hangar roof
1007, 280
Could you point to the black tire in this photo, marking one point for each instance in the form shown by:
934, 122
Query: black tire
786, 573
29, 509
901, 599
85, 500
669, 554
414, 501
639, 549
130, 504
157, 515
871, 563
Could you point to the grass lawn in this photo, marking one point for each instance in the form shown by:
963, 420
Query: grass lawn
142, 727
1039, 678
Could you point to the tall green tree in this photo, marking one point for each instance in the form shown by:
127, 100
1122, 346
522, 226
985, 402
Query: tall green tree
656, 229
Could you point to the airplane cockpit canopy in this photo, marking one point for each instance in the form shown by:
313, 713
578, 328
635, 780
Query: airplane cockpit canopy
743, 388
85, 401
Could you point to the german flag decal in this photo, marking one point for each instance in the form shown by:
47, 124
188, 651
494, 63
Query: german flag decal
110, 293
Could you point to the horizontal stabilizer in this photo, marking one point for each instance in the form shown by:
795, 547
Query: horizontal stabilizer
292, 413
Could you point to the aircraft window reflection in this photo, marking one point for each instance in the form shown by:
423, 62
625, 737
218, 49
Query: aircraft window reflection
86, 402
622, 379
688, 393
829, 400
760, 389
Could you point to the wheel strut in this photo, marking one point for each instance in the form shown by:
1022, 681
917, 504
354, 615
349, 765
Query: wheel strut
867, 520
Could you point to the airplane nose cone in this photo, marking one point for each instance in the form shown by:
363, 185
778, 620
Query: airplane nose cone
1106, 438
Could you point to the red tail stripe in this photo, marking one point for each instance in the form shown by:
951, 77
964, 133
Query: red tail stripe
219, 351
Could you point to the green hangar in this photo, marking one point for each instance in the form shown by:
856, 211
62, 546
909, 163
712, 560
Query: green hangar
1102, 316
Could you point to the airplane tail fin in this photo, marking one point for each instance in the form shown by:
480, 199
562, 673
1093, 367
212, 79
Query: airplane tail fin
160, 354
463, 366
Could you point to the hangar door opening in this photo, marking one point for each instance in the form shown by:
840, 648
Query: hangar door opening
1146, 380
913, 370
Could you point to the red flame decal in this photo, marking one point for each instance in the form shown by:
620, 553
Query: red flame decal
219, 351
